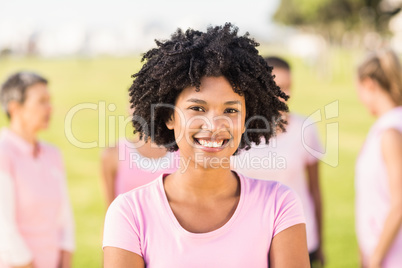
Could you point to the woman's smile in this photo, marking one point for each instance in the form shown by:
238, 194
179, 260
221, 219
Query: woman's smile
211, 145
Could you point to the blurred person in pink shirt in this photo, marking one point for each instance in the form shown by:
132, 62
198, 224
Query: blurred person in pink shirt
379, 165
286, 160
133, 163
36, 223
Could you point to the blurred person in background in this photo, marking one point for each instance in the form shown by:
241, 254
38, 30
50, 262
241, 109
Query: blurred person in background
36, 223
133, 163
378, 179
285, 159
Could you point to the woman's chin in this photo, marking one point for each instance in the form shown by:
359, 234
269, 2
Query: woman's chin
44, 126
212, 162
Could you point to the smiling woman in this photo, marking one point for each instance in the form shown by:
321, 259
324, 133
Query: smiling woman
209, 95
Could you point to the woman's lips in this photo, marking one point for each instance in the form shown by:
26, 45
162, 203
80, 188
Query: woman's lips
211, 144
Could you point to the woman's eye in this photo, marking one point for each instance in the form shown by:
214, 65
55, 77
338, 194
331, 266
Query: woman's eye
231, 111
197, 109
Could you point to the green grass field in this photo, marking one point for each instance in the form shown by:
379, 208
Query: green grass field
91, 85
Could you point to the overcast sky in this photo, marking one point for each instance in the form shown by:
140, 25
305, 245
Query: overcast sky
248, 15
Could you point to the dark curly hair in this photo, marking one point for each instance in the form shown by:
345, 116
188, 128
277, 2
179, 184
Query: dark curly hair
188, 56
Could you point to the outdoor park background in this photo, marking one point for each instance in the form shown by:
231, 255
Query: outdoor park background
84, 74
83, 81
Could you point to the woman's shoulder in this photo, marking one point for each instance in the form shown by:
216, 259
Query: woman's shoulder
298, 119
264, 187
300, 122
49, 147
143, 194
118, 152
127, 144
50, 150
5, 145
5, 148
391, 119
271, 196
5, 154
110, 154
138, 205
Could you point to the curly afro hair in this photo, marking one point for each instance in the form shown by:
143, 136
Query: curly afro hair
188, 56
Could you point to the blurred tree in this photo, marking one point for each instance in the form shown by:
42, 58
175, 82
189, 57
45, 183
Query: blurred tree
332, 18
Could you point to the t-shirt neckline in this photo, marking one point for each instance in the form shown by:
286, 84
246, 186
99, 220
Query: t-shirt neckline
220, 230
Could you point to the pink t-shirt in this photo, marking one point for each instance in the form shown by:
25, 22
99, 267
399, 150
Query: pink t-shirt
141, 221
373, 194
285, 160
135, 170
36, 222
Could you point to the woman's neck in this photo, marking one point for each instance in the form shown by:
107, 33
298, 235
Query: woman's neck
194, 180
384, 104
22, 131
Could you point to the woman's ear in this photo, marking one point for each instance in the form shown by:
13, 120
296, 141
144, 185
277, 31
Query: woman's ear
13, 107
369, 83
170, 122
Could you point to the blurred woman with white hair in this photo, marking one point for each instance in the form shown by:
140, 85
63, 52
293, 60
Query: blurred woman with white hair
36, 224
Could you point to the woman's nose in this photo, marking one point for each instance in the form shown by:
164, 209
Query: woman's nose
216, 123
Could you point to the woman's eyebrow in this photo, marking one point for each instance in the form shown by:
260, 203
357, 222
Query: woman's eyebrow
233, 102
197, 101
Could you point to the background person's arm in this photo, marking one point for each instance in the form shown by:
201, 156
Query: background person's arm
30, 265
13, 249
109, 170
391, 145
65, 259
315, 191
67, 235
289, 248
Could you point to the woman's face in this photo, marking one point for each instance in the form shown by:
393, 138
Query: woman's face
283, 79
365, 91
208, 125
36, 110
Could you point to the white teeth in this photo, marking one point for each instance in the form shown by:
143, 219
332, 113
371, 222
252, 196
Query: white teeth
211, 144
